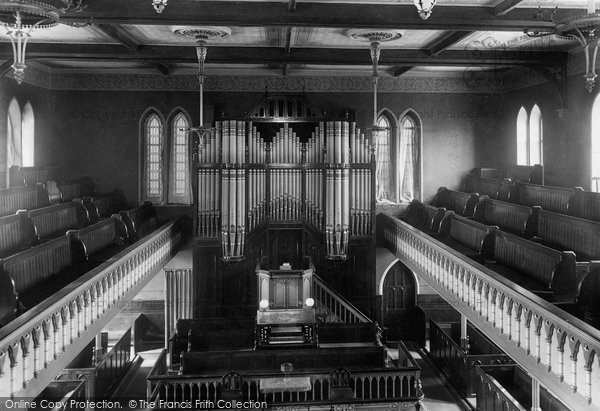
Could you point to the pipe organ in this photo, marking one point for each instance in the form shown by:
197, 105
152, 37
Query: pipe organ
245, 181
283, 188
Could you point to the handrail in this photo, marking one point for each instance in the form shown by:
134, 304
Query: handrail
539, 336
351, 313
35, 345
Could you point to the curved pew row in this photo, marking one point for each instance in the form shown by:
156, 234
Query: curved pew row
22, 198
30, 276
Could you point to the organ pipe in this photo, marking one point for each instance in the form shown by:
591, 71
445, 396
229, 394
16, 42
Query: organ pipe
324, 181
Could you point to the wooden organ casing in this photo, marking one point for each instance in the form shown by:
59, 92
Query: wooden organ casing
283, 184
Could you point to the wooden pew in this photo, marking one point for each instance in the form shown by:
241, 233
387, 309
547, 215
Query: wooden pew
99, 241
22, 198
467, 236
104, 205
351, 358
16, 233
27, 176
549, 198
542, 270
513, 218
28, 277
486, 172
78, 188
565, 232
57, 219
462, 204
585, 204
526, 174
460, 364
139, 220
497, 189
425, 217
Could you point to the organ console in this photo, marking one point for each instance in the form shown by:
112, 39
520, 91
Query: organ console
285, 166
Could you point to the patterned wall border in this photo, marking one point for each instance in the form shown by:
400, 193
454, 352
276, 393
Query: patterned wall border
425, 82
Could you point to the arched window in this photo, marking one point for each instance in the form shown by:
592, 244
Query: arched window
535, 136
385, 162
530, 137
14, 154
409, 165
179, 180
28, 136
596, 145
522, 149
153, 145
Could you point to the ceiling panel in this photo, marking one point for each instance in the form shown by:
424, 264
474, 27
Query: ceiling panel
67, 34
507, 40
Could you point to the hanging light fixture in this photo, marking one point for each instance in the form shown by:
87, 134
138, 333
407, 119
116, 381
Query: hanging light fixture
202, 36
159, 5
424, 7
375, 38
585, 28
21, 17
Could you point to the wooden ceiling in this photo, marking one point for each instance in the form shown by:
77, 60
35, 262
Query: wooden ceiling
297, 37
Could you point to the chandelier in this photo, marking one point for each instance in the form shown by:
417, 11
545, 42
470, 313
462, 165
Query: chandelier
584, 28
424, 7
21, 17
159, 5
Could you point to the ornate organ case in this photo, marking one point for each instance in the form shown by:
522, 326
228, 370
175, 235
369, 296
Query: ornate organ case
283, 184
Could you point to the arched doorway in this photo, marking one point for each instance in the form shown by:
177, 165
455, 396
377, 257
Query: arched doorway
400, 318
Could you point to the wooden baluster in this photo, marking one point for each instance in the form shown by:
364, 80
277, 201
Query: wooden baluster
15, 371
574, 352
548, 333
560, 348
27, 371
37, 340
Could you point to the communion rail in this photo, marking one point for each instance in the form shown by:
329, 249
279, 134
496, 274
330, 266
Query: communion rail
36, 346
394, 384
553, 346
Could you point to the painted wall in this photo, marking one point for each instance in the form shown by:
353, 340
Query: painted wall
567, 160
101, 129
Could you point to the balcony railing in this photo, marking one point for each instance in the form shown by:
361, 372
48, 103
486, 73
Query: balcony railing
36, 346
555, 347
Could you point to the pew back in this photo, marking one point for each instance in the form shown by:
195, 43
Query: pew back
25, 176
22, 198
32, 266
462, 204
549, 198
510, 217
16, 232
585, 204
526, 174
76, 188
57, 219
138, 218
425, 217
570, 233
467, 232
100, 235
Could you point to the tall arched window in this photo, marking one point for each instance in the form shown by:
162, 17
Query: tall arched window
179, 180
535, 136
384, 154
28, 136
153, 146
522, 148
14, 154
530, 137
596, 145
409, 166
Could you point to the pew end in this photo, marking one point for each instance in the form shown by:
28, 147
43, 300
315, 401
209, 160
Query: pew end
9, 299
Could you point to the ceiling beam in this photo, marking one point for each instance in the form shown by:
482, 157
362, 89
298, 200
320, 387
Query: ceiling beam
120, 35
398, 71
446, 40
274, 56
505, 6
334, 15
